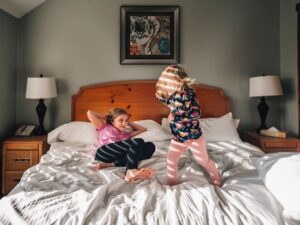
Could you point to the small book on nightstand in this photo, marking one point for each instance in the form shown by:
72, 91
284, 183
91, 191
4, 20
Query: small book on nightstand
274, 132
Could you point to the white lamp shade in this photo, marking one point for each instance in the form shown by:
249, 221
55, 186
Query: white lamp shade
40, 87
265, 86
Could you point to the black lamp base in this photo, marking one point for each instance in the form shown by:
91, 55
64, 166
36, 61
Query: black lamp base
40, 131
41, 111
263, 109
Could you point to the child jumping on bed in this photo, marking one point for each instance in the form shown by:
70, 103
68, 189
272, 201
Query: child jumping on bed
174, 89
116, 148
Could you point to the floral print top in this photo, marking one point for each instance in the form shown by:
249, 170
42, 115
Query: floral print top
185, 108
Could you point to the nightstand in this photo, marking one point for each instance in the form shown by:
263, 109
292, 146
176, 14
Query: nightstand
272, 144
20, 153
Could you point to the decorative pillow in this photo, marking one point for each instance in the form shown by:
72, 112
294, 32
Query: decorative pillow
76, 131
154, 131
214, 129
281, 175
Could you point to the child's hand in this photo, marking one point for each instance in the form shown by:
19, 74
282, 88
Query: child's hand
171, 117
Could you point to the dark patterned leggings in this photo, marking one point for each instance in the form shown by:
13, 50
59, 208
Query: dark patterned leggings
126, 153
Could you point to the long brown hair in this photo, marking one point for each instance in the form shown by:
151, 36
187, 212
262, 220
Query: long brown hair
171, 80
114, 113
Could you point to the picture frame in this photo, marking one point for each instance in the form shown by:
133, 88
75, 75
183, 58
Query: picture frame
149, 35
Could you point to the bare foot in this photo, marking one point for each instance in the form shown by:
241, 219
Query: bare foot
102, 165
139, 174
215, 181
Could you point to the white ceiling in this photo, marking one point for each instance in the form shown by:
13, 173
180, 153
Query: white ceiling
19, 8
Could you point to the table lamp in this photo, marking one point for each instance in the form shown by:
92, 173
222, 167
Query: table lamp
262, 86
41, 88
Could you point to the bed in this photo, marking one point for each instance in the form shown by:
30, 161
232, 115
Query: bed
66, 188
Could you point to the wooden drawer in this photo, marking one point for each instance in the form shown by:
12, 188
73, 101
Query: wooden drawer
281, 144
23, 146
19, 154
20, 159
272, 144
11, 180
273, 150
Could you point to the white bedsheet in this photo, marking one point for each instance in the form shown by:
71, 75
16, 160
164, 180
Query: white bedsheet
65, 188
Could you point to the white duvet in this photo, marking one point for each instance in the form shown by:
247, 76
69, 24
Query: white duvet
65, 188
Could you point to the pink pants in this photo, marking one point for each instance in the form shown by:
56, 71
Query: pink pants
198, 148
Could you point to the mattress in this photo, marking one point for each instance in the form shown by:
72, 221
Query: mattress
66, 188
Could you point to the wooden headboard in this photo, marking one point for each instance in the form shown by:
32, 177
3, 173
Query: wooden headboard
138, 98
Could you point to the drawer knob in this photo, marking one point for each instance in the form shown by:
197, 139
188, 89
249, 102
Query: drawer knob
20, 160
17, 180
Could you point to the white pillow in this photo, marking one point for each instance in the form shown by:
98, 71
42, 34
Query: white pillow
165, 125
220, 129
154, 131
149, 124
76, 131
214, 129
281, 175
236, 122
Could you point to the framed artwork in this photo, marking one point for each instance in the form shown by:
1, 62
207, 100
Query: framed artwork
149, 35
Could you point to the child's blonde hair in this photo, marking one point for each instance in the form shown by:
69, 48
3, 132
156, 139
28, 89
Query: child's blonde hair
114, 113
171, 80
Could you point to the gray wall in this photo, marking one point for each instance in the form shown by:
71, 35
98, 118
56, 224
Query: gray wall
223, 43
288, 64
8, 73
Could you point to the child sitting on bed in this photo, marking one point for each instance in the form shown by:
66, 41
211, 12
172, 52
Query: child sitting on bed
174, 89
116, 148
